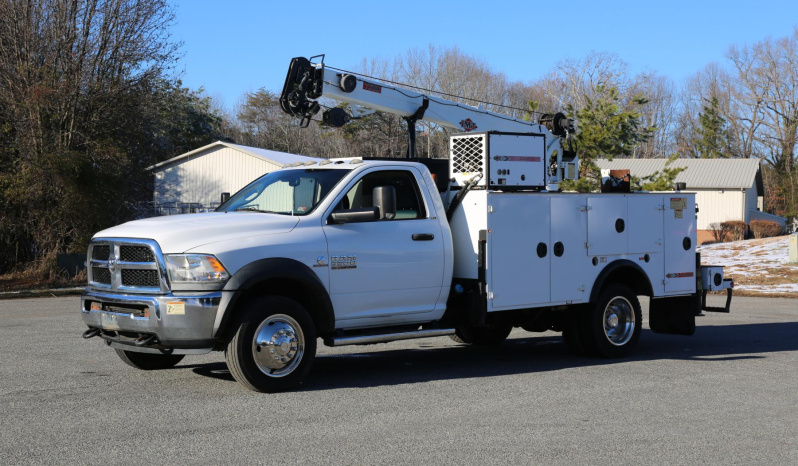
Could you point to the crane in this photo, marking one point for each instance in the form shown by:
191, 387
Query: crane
308, 81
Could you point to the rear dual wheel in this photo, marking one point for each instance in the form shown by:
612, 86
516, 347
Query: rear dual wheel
610, 327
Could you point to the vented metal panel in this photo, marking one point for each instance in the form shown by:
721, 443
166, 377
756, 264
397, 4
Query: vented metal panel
468, 154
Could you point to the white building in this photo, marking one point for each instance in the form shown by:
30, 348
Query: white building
200, 177
726, 189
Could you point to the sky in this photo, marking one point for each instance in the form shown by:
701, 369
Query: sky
236, 46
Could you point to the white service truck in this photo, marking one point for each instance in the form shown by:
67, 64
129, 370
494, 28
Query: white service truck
359, 252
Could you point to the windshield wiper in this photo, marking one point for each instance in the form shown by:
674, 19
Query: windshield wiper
252, 209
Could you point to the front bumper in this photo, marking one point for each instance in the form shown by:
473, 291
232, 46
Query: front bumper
179, 323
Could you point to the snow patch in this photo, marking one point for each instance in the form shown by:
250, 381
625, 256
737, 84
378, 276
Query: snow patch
765, 260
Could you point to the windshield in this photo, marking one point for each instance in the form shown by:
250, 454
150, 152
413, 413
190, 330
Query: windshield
287, 192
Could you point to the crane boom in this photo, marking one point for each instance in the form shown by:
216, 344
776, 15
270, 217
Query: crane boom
306, 82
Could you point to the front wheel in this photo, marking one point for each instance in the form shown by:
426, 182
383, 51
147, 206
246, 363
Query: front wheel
611, 328
148, 361
273, 346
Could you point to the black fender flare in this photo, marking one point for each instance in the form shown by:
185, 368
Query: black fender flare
260, 273
618, 265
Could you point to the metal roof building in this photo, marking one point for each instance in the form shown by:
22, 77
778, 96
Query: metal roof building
199, 177
726, 189
698, 173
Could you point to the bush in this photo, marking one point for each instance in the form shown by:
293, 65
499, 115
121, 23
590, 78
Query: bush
765, 228
734, 230
718, 232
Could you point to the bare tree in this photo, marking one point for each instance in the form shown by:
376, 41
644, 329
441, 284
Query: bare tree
659, 112
714, 83
579, 79
767, 73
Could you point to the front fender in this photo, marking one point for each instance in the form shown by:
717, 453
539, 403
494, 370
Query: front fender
285, 277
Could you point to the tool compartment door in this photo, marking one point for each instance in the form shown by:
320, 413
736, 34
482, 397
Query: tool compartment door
680, 238
517, 275
645, 223
570, 264
607, 230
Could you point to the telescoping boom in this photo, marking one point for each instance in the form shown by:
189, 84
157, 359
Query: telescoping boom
307, 82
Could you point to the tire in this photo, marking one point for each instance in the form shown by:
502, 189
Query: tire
611, 327
149, 361
273, 346
490, 335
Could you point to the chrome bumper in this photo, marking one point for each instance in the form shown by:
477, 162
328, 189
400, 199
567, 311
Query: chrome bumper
178, 321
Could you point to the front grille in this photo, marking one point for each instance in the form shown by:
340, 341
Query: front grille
127, 265
101, 252
136, 254
101, 275
132, 277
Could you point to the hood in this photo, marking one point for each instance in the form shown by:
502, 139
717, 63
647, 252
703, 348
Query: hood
179, 233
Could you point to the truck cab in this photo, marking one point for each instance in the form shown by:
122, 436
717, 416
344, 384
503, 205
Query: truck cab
354, 245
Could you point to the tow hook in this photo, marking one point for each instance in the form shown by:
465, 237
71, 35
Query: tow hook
91, 333
141, 341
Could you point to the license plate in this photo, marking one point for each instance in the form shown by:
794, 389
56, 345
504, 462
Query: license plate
109, 321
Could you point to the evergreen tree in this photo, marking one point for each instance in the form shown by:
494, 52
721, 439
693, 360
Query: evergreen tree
607, 128
712, 137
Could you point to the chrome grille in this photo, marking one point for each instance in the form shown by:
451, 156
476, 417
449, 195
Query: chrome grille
136, 254
101, 252
132, 277
128, 265
101, 275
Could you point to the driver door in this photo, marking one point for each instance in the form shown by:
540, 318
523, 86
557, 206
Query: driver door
388, 268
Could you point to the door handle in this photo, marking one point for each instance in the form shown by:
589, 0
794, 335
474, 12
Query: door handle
423, 237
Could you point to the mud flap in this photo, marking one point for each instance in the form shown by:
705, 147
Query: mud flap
674, 316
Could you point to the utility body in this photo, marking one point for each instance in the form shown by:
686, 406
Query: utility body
359, 252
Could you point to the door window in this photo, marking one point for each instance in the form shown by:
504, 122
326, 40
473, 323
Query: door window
408, 197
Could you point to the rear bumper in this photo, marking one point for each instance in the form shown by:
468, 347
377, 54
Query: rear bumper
184, 321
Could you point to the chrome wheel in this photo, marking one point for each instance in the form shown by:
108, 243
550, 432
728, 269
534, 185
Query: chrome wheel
619, 321
278, 345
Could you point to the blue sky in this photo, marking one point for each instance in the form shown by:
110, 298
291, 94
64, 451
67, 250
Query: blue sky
237, 46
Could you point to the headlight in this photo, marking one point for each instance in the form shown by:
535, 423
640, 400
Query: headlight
193, 271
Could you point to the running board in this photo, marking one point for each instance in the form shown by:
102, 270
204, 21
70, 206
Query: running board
386, 337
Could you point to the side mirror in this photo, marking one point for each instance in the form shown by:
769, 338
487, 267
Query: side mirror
225, 197
354, 216
384, 198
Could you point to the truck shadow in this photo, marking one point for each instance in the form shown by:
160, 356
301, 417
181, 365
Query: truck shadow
439, 359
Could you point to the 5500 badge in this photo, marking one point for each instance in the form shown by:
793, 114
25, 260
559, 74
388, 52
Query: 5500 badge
343, 262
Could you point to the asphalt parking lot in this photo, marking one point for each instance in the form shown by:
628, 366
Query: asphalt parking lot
727, 395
